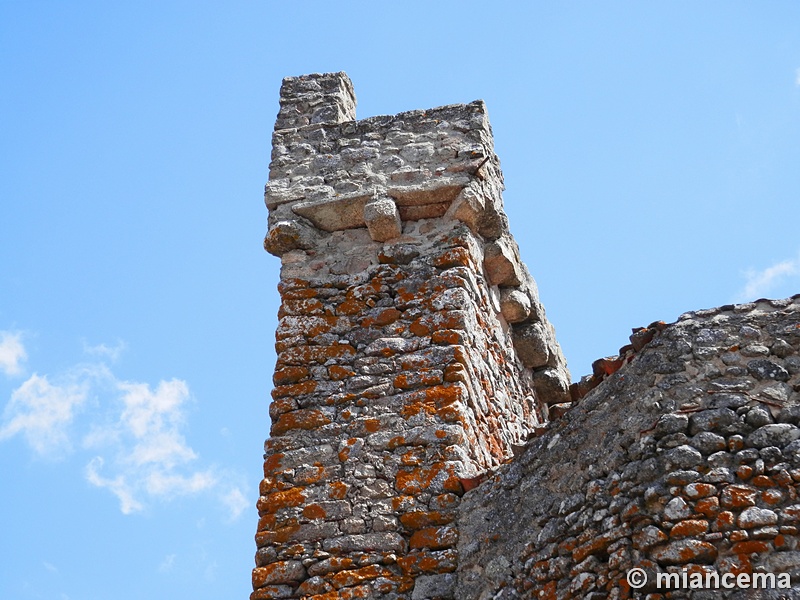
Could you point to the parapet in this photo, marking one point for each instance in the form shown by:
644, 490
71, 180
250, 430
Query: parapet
413, 352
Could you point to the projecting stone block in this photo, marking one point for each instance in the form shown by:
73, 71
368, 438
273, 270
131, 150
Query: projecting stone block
334, 214
515, 305
288, 235
551, 385
468, 207
502, 263
382, 219
530, 342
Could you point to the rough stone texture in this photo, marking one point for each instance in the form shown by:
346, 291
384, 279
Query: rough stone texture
684, 458
398, 381
426, 443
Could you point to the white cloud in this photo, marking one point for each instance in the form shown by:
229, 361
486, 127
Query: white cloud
50, 567
42, 412
150, 456
760, 284
12, 353
105, 351
117, 486
797, 77
135, 432
236, 502
167, 564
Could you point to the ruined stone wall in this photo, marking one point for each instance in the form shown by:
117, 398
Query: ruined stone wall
413, 353
414, 360
687, 459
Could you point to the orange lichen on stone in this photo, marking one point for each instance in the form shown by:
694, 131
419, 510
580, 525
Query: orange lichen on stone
272, 463
313, 474
381, 318
747, 548
278, 572
762, 481
736, 496
427, 561
300, 306
454, 257
688, 528
419, 519
314, 511
708, 507
305, 355
724, 521
413, 457
289, 375
448, 337
419, 328
337, 372
434, 538
293, 390
372, 425
300, 419
277, 536
354, 593
277, 500
437, 475
337, 490
358, 576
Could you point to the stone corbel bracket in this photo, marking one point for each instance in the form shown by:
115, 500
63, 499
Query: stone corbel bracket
331, 173
325, 173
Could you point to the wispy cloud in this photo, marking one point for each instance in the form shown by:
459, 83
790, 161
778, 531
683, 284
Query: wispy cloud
762, 283
12, 353
42, 412
134, 434
145, 449
112, 353
167, 564
236, 502
797, 77
50, 567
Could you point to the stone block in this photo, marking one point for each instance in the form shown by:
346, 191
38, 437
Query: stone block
501, 263
515, 305
382, 219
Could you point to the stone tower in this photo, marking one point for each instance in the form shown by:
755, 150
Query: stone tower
413, 353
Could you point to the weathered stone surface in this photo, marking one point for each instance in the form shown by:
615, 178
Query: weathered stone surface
382, 219
717, 491
685, 551
317, 98
756, 517
425, 443
515, 305
398, 382
777, 434
530, 342
501, 262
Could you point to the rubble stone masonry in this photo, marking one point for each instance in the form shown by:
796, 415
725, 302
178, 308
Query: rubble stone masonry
426, 443
413, 353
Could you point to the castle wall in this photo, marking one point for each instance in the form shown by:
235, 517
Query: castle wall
413, 353
686, 461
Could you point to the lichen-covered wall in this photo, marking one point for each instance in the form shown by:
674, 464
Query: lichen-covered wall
425, 443
413, 354
685, 459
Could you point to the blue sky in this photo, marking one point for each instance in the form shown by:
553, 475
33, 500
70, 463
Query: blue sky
650, 153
